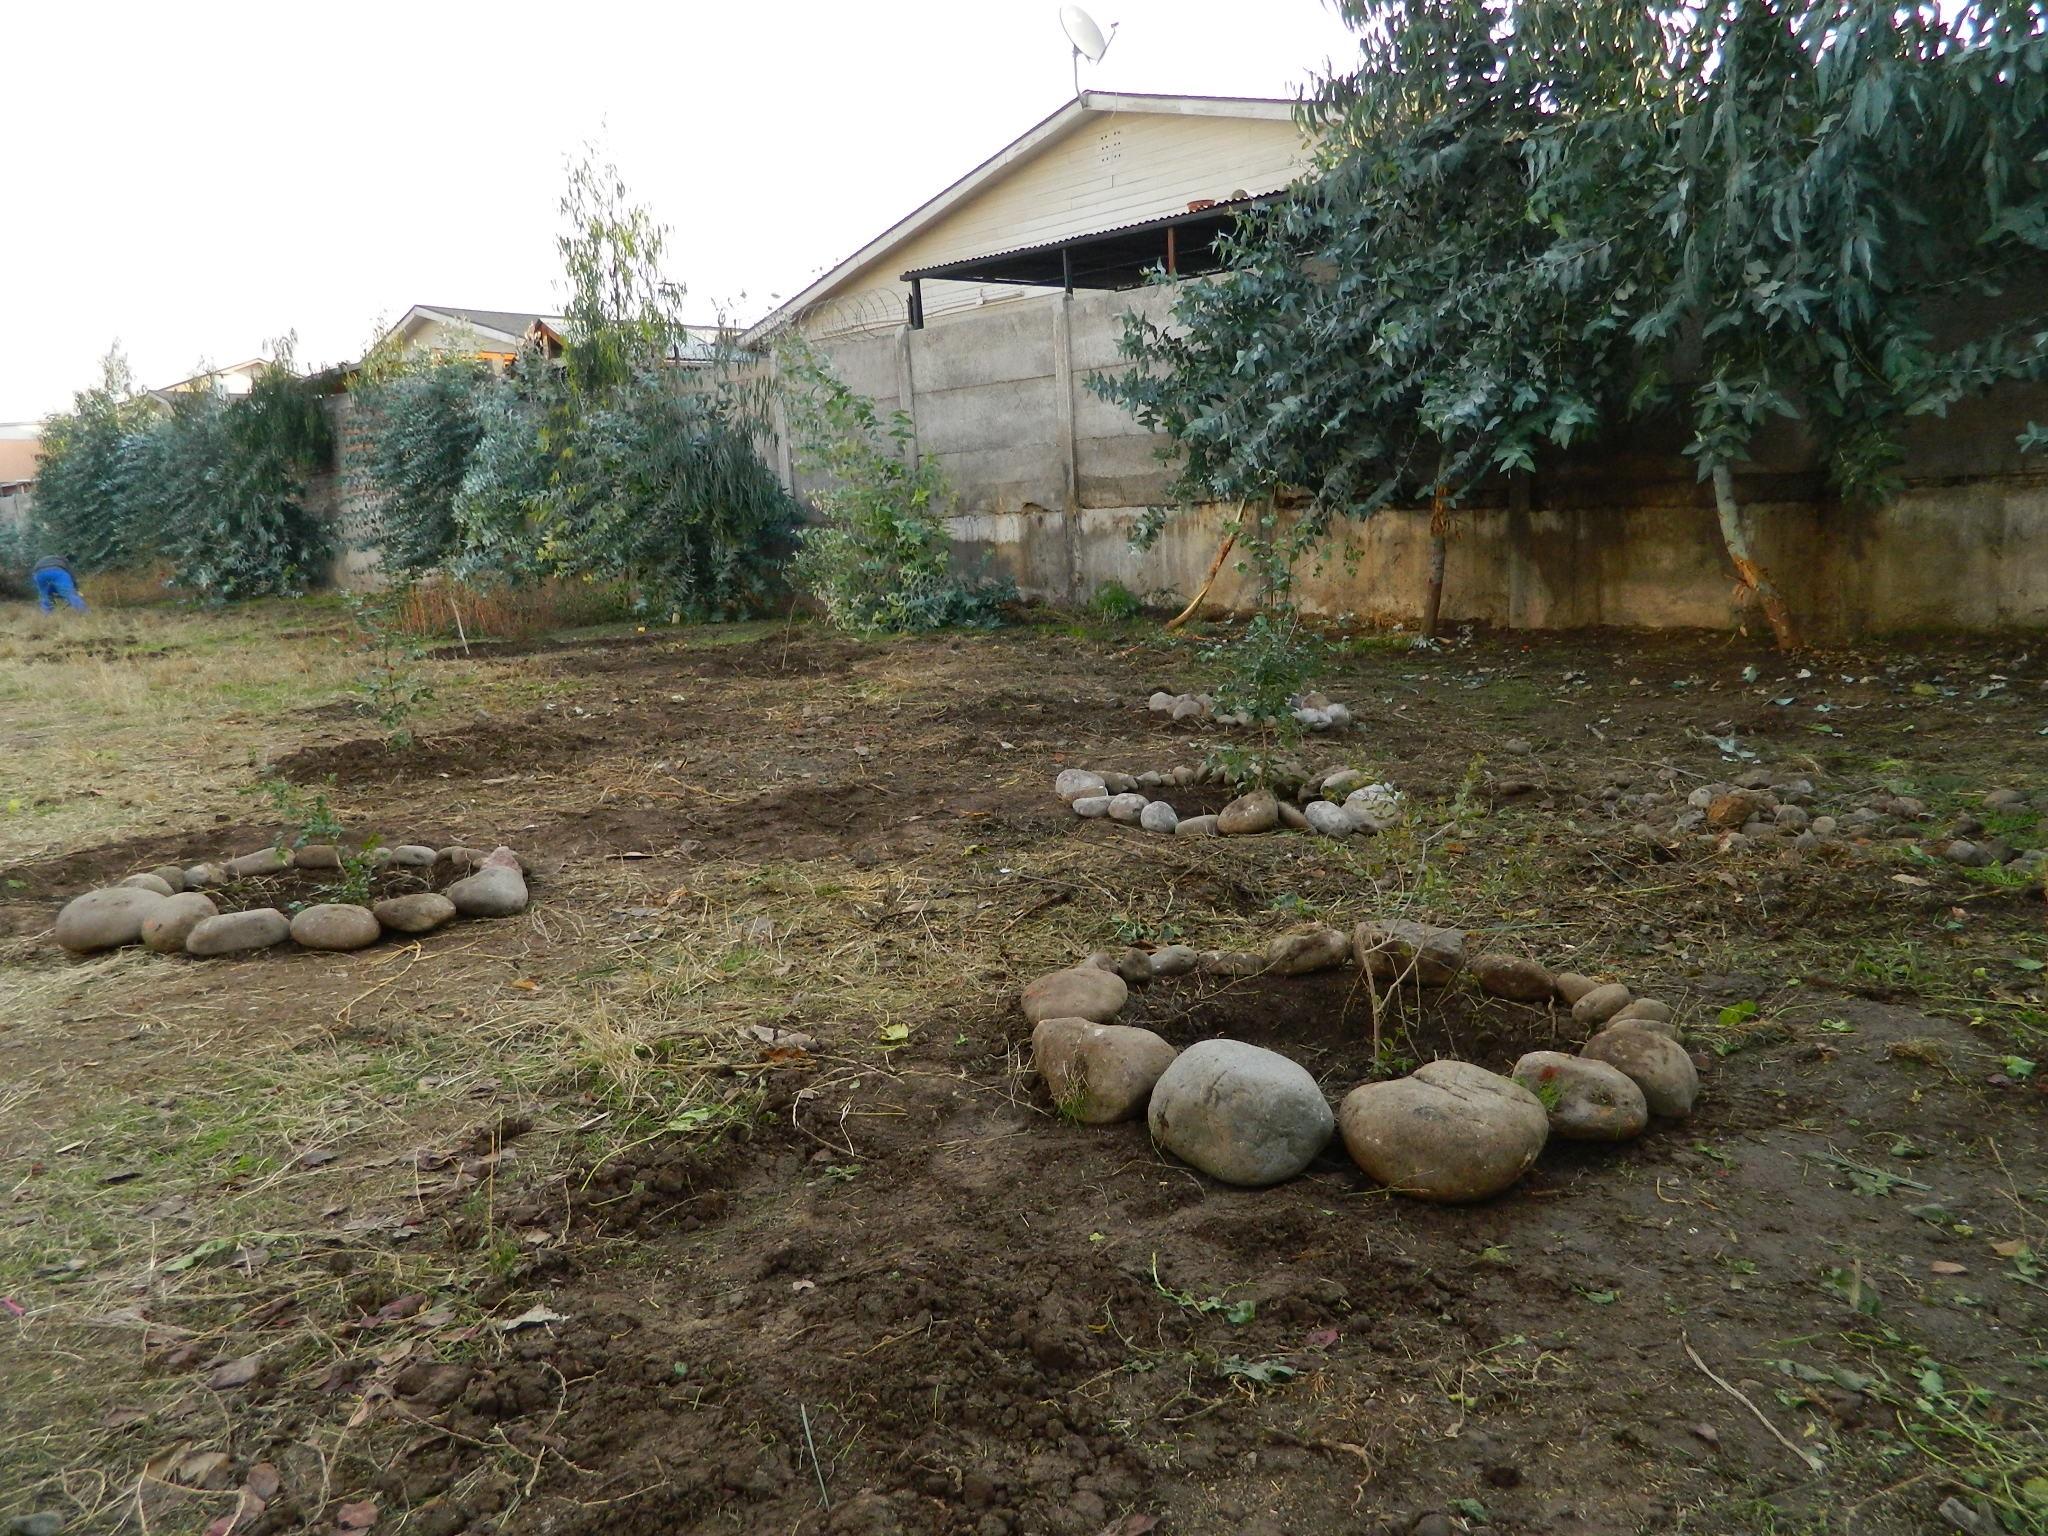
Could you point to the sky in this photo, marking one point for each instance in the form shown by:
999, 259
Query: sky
194, 180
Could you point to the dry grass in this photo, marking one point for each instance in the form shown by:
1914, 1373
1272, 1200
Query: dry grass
445, 609
126, 720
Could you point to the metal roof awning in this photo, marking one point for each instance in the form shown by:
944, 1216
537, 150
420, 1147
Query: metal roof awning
1181, 244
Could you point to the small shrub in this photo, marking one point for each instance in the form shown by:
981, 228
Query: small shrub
880, 560
390, 685
1116, 602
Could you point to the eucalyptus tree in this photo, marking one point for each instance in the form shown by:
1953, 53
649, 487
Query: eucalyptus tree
1531, 221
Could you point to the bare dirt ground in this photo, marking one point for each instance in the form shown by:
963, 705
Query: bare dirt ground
533, 1226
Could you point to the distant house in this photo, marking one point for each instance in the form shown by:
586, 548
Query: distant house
20, 446
234, 379
1108, 188
496, 335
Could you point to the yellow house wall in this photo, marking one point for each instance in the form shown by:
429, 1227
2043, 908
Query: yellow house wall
1113, 168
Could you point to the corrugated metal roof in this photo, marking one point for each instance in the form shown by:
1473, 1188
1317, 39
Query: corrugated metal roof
1136, 227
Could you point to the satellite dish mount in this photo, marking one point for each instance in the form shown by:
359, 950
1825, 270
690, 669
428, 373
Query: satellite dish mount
1087, 38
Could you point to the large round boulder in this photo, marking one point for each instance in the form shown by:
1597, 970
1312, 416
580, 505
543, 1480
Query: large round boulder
336, 925
421, 912
167, 928
1654, 1062
1081, 992
106, 919
264, 861
1398, 950
1258, 811
1586, 1100
497, 889
1098, 1073
236, 933
1511, 976
1450, 1131
1602, 1003
1307, 949
150, 880
1073, 783
1239, 1113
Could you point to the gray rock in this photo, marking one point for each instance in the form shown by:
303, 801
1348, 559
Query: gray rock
1239, 1113
1162, 702
1258, 811
317, 856
496, 890
166, 929
1655, 1063
1451, 1131
152, 882
336, 925
172, 875
1073, 783
1183, 776
1118, 783
1090, 806
1308, 949
1516, 746
1512, 977
1571, 986
1328, 819
1150, 780
460, 860
1173, 960
412, 856
1133, 965
420, 913
2029, 863
2004, 800
1158, 816
1127, 808
264, 861
1705, 795
1232, 962
1396, 950
1340, 782
106, 919
205, 876
1098, 1073
234, 933
1375, 808
1602, 1003
1196, 826
1080, 992
1642, 1010
1189, 707
1792, 818
1586, 1100
1823, 826
1966, 853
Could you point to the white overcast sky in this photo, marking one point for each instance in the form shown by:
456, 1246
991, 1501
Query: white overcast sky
194, 179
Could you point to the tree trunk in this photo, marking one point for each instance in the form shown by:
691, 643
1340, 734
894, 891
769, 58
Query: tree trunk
1433, 599
1753, 576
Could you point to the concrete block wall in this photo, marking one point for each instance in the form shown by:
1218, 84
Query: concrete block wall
1051, 480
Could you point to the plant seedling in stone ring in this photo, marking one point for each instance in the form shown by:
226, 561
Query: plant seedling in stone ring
390, 685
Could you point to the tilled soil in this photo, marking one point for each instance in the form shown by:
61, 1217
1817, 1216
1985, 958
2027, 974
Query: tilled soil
905, 1296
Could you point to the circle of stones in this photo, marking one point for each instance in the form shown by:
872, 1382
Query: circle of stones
1338, 802
1099, 1072
134, 910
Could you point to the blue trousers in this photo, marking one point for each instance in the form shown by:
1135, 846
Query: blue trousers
55, 584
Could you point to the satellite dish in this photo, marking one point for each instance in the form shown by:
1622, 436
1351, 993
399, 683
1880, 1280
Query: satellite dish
1082, 32
1087, 38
